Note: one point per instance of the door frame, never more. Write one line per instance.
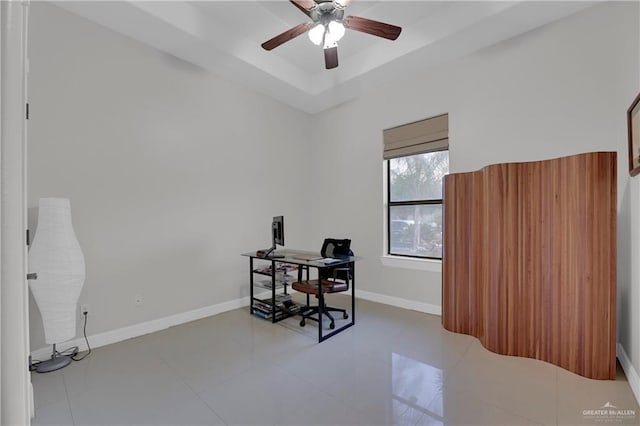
(16, 401)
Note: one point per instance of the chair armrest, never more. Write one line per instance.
(342, 269)
(336, 270)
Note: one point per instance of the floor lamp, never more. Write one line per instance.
(55, 256)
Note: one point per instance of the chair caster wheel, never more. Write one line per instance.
(345, 316)
(332, 326)
(302, 323)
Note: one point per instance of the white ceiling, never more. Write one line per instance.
(224, 37)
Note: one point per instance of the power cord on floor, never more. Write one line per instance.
(72, 351)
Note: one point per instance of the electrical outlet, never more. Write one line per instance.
(138, 300)
(84, 309)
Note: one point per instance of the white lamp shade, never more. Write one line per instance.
(56, 257)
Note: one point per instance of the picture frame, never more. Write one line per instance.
(633, 129)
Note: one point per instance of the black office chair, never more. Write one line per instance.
(334, 280)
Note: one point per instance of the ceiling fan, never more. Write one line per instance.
(328, 25)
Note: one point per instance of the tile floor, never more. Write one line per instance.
(394, 367)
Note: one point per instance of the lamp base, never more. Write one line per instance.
(56, 362)
(53, 364)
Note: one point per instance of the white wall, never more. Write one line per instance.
(559, 90)
(171, 171)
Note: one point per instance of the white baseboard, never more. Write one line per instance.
(632, 374)
(398, 302)
(120, 334)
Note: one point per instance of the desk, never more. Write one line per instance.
(297, 257)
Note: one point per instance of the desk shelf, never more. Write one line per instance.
(272, 308)
(268, 284)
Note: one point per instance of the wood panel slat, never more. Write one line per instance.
(529, 260)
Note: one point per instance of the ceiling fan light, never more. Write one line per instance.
(336, 29)
(316, 34)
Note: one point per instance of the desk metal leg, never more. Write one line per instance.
(251, 285)
(353, 309)
(353, 293)
(308, 281)
(320, 306)
(273, 291)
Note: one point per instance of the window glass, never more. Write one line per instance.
(416, 230)
(418, 177)
(415, 204)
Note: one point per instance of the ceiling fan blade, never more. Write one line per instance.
(305, 6)
(285, 36)
(372, 27)
(331, 57)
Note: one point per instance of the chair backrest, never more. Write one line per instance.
(332, 247)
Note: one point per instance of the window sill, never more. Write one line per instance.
(430, 265)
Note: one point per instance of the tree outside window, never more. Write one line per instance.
(415, 204)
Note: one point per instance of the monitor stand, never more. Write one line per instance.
(271, 255)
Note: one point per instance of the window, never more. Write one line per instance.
(415, 204)
(417, 160)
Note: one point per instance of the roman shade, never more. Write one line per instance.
(431, 134)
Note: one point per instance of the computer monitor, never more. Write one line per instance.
(277, 231)
(277, 238)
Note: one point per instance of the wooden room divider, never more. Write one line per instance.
(529, 260)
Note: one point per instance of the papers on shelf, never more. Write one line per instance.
(281, 268)
(284, 306)
(280, 281)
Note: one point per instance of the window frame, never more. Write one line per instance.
(391, 204)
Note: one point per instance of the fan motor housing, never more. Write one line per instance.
(327, 11)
